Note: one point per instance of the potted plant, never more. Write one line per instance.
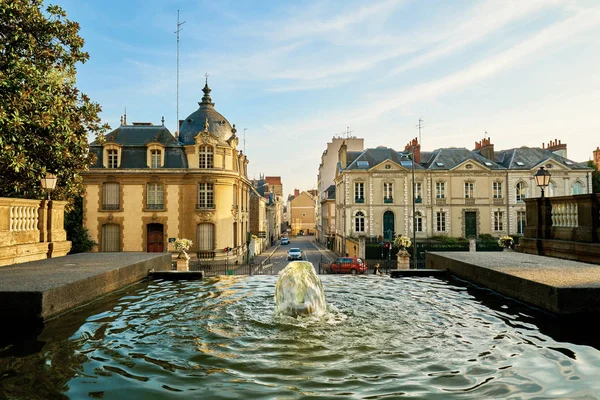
(403, 242)
(506, 242)
(182, 245)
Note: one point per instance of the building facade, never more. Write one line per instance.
(302, 213)
(148, 188)
(457, 192)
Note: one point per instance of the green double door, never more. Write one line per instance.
(470, 224)
(388, 225)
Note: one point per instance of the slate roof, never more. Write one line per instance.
(330, 192)
(134, 138)
(448, 158)
(369, 158)
(526, 158)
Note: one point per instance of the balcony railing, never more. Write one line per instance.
(388, 200)
(155, 206)
(111, 207)
(419, 200)
(359, 200)
(200, 206)
(498, 201)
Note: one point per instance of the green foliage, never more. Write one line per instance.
(76, 232)
(44, 119)
(486, 237)
(595, 177)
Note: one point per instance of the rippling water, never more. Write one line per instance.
(219, 338)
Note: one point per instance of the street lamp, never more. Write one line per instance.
(49, 183)
(542, 179)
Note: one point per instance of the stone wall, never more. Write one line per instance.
(31, 230)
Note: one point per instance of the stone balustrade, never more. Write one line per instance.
(564, 227)
(31, 230)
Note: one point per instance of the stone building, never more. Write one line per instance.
(457, 192)
(597, 157)
(325, 178)
(302, 213)
(148, 187)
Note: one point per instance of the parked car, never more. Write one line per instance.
(294, 254)
(348, 265)
(285, 240)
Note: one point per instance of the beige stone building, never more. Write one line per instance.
(458, 192)
(148, 188)
(302, 213)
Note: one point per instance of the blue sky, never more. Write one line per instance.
(296, 73)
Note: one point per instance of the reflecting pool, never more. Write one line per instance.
(381, 338)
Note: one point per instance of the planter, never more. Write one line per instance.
(183, 264)
(403, 259)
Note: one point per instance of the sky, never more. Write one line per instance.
(293, 74)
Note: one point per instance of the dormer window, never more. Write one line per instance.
(113, 159)
(205, 157)
(155, 158)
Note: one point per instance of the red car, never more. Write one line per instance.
(348, 265)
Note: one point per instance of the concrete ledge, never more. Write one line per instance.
(399, 273)
(559, 286)
(43, 289)
(176, 275)
(577, 251)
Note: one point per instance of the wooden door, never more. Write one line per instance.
(155, 242)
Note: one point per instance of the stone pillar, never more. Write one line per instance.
(43, 222)
(403, 259)
(362, 248)
(472, 245)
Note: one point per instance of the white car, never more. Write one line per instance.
(294, 254)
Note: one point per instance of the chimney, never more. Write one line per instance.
(342, 152)
(296, 193)
(557, 148)
(414, 147)
(597, 157)
(485, 148)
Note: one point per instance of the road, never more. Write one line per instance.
(311, 251)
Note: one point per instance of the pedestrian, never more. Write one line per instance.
(377, 271)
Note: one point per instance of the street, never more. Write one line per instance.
(311, 251)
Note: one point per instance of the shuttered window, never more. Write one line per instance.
(111, 237)
(155, 196)
(205, 237)
(111, 196)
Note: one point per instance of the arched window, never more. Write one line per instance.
(577, 188)
(111, 237)
(359, 221)
(205, 157)
(521, 192)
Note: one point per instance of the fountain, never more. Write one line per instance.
(380, 338)
(299, 290)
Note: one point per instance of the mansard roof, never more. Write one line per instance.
(448, 158)
(369, 158)
(527, 158)
(140, 134)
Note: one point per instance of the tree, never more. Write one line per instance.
(44, 119)
(76, 232)
(595, 177)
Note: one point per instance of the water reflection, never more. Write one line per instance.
(380, 338)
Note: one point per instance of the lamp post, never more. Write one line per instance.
(542, 179)
(49, 183)
(414, 244)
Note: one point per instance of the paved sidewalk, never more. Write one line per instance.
(328, 255)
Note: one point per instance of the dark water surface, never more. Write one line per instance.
(382, 339)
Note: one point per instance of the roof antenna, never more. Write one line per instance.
(177, 32)
(420, 126)
(125, 117)
(245, 140)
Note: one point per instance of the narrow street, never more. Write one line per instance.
(311, 251)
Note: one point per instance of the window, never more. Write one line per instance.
(205, 157)
(521, 222)
(498, 217)
(111, 237)
(205, 237)
(419, 222)
(154, 196)
(521, 190)
(418, 195)
(155, 159)
(441, 221)
(235, 196)
(205, 195)
(359, 222)
(497, 190)
(113, 158)
(469, 190)
(111, 196)
(551, 191)
(388, 192)
(440, 190)
(577, 188)
(359, 192)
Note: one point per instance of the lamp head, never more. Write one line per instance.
(49, 182)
